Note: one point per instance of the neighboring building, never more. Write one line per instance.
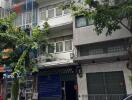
(103, 60)
(26, 11)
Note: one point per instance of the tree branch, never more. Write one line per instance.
(125, 26)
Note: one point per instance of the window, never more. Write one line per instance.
(42, 14)
(59, 47)
(66, 11)
(51, 13)
(28, 17)
(82, 21)
(58, 11)
(68, 45)
(96, 51)
(51, 48)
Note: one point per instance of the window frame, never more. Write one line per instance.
(48, 13)
(86, 19)
(65, 45)
(54, 48)
(62, 46)
(47, 8)
(56, 12)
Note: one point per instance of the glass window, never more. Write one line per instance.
(28, 17)
(43, 15)
(81, 21)
(58, 11)
(59, 47)
(66, 11)
(90, 21)
(51, 13)
(51, 48)
(68, 45)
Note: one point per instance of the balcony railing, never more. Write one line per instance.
(103, 97)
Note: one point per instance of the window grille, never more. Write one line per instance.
(96, 51)
(115, 49)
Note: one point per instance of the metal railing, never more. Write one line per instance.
(103, 97)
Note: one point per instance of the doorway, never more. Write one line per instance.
(69, 90)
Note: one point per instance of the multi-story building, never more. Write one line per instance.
(103, 60)
(57, 76)
(80, 64)
(26, 11)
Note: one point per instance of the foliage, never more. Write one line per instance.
(23, 45)
(105, 15)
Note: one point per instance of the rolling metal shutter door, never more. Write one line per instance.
(106, 86)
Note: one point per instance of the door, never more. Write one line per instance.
(69, 90)
(106, 86)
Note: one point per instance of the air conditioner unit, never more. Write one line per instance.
(71, 55)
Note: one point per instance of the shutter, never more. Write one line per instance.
(49, 87)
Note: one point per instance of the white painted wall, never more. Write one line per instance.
(56, 21)
(104, 67)
(61, 59)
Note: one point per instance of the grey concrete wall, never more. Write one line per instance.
(102, 67)
(86, 35)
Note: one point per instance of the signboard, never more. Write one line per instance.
(49, 86)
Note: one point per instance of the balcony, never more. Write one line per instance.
(58, 59)
(59, 53)
(53, 14)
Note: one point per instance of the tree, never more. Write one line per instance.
(106, 15)
(21, 45)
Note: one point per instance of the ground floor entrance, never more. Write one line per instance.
(57, 84)
(106, 86)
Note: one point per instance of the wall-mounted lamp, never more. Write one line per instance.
(79, 70)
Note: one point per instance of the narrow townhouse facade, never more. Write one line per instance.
(103, 60)
(57, 73)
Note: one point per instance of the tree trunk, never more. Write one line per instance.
(15, 89)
